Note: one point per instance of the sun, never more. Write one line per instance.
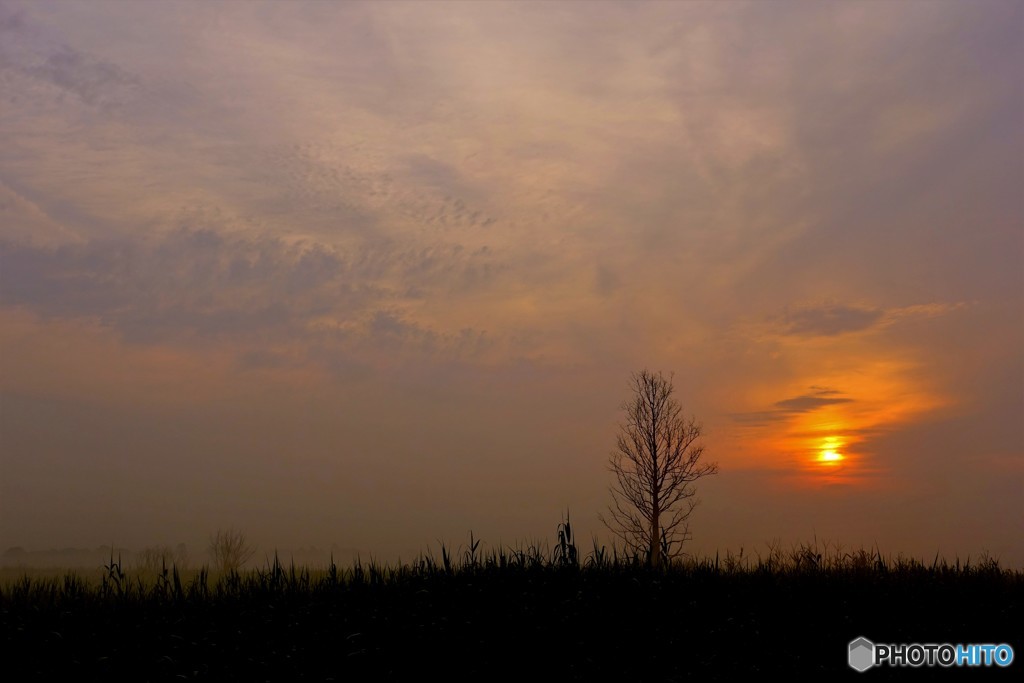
(830, 456)
(828, 453)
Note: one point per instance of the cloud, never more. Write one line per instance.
(204, 284)
(25, 221)
(834, 320)
(96, 83)
(786, 409)
(59, 69)
(829, 320)
(808, 403)
(389, 331)
(11, 21)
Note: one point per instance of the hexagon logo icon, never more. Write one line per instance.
(862, 654)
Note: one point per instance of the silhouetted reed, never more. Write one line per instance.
(789, 610)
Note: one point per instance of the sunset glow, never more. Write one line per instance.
(369, 274)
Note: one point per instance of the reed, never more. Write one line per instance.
(508, 607)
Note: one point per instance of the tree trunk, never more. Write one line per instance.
(655, 537)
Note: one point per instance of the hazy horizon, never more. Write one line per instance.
(374, 275)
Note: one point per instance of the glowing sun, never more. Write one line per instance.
(829, 453)
(830, 456)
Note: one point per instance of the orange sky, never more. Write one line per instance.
(370, 275)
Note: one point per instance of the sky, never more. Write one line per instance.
(372, 276)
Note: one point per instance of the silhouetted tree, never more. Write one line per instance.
(229, 550)
(656, 462)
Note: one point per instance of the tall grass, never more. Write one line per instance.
(507, 611)
(169, 581)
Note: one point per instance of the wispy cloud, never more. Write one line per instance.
(809, 402)
(196, 284)
(833, 319)
(829, 320)
(786, 408)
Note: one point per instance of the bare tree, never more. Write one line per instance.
(230, 550)
(656, 462)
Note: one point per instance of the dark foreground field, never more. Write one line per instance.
(510, 616)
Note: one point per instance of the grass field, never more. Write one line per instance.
(516, 614)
